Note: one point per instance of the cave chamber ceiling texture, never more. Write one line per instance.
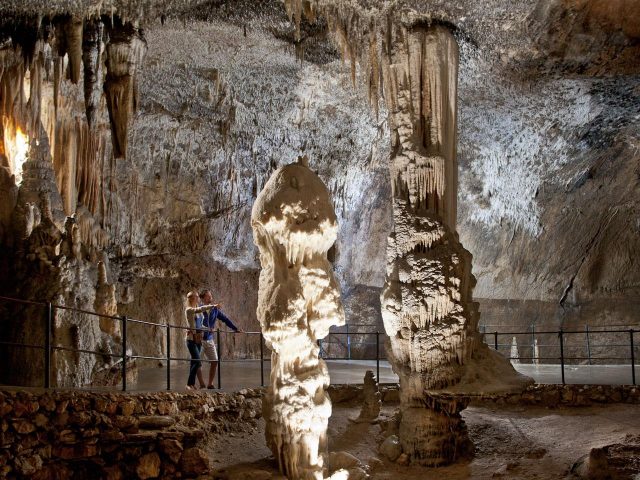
(159, 136)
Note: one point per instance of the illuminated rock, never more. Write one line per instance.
(294, 226)
(427, 305)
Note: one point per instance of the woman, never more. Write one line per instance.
(194, 316)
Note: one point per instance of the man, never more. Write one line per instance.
(208, 340)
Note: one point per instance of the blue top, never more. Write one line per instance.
(198, 318)
(209, 321)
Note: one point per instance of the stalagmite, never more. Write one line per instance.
(294, 225)
(371, 399)
(427, 304)
(105, 302)
(515, 356)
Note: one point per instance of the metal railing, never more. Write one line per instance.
(562, 345)
(323, 352)
(49, 347)
(491, 338)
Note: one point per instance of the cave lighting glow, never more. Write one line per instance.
(16, 147)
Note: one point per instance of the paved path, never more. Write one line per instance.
(239, 374)
(581, 374)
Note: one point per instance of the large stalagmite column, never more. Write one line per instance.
(294, 226)
(427, 304)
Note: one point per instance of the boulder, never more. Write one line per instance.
(391, 448)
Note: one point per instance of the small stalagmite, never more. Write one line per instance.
(105, 302)
(371, 399)
(294, 225)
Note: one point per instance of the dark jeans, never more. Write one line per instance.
(195, 350)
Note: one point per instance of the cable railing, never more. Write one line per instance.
(338, 345)
(124, 356)
(566, 340)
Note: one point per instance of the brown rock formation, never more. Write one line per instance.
(371, 401)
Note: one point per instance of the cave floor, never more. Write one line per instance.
(513, 443)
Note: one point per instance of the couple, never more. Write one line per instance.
(201, 315)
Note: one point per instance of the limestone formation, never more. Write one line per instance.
(45, 238)
(105, 302)
(294, 226)
(514, 355)
(427, 304)
(371, 399)
(125, 53)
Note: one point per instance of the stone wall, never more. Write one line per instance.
(557, 396)
(548, 396)
(76, 434)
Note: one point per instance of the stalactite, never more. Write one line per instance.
(73, 47)
(92, 44)
(125, 53)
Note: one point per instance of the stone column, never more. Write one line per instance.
(427, 302)
(294, 226)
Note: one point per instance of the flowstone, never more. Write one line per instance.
(294, 225)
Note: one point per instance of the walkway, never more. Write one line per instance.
(242, 374)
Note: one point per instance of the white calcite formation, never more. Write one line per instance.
(427, 304)
(294, 225)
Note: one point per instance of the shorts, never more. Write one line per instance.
(209, 348)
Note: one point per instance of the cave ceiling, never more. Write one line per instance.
(549, 109)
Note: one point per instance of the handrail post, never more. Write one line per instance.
(168, 357)
(348, 343)
(560, 334)
(588, 344)
(378, 356)
(219, 359)
(261, 360)
(47, 346)
(495, 340)
(633, 358)
(124, 353)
